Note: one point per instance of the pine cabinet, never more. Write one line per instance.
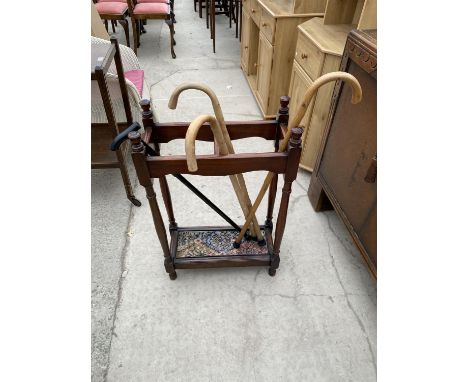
(319, 50)
(268, 41)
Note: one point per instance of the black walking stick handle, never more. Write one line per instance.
(122, 137)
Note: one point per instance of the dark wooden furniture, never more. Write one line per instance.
(345, 174)
(102, 134)
(229, 8)
(141, 11)
(114, 11)
(178, 252)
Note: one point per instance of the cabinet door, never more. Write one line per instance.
(245, 41)
(319, 117)
(265, 57)
(347, 156)
(300, 82)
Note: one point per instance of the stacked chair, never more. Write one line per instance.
(139, 11)
(115, 11)
(229, 8)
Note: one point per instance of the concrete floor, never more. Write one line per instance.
(314, 321)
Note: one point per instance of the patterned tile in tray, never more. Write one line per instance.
(215, 243)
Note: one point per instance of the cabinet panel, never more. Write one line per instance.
(267, 25)
(255, 11)
(265, 57)
(318, 121)
(245, 40)
(350, 147)
(246, 5)
(309, 56)
(300, 82)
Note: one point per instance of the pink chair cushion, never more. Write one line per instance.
(112, 1)
(151, 8)
(152, 1)
(111, 8)
(136, 77)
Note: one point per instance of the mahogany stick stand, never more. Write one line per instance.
(212, 247)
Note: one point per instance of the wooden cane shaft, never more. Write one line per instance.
(266, 184)
(245, 202)
(223, 150)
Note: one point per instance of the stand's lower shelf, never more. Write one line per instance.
(212, 247)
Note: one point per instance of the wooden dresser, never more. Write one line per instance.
(268, 42)
(319, 49)
(345, 173)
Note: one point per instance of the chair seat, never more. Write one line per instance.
(136, 77)
(112, 1)
(151, 9)
(152, 1)
(111, 8)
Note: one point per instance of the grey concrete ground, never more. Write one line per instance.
(314, 321)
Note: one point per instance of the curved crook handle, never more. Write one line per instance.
(205, 89)
(214, 102)
(312, 91)
(191, 135)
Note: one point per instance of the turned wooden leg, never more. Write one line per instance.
(135, 36)
(124, 24)
(237, 17)
(280, 226)
(171, 29)
(139, 160)
(160, 231)
(167, 201)
(271, 202)
(126, 178)
(213, 24)
(113, 26)
(106, 23)
(294, 154)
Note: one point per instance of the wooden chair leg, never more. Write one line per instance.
(237, 17)
(106, 23)
(207, 11)
(135, 36)
(200, 8)
(113, 25)
(213, 23)
(124, 24)
(240, 20)
(126, 179)
(171, 29)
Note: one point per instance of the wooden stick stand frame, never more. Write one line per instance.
(147, 168)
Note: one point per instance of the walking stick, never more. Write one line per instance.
(246, 204)
(294, 122)
(190, 138)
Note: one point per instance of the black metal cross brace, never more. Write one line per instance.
(123, 136)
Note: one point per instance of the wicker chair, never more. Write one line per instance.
(137, 88)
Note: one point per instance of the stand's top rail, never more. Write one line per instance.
(214, 165)
(166, 132)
